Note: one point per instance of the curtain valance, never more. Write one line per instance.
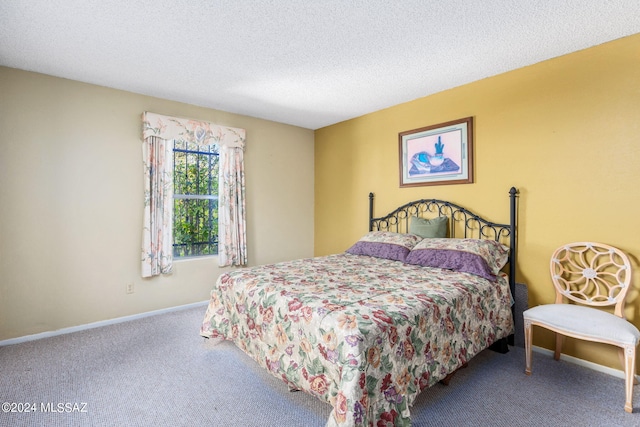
(198, 132)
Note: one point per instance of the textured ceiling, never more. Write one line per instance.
(309, 63)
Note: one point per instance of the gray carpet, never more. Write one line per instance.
(156, 371)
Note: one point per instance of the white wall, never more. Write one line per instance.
(71, 203)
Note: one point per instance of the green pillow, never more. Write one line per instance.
(435, 227)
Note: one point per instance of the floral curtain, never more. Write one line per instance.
(232, 234)
(158, 134)
(157, 240)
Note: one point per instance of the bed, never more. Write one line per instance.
(368, 329)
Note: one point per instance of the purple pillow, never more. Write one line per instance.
(385, 244)
(484, 258)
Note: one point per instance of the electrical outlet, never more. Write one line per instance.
(130, 288)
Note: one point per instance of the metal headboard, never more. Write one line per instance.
(462, 220)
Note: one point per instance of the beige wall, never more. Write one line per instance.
(71, 203)
(564, 131)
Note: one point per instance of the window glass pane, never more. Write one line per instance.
(195, 227)
(195, 169)
(179, 172)
(195, 216)
(214, 174)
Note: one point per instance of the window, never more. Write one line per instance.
(198, 211)
(195, 199)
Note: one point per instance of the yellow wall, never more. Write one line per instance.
(71, 198)
(565, 132)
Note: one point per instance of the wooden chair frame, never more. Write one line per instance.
(588, 275)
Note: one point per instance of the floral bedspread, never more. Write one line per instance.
(364, 334)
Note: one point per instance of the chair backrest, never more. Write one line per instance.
(593, 274)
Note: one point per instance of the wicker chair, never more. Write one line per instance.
(588, 275)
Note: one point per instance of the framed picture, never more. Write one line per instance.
(437, 155)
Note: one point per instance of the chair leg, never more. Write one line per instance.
(629, 373)
(527, 346)
(623, 363)
(559, 341)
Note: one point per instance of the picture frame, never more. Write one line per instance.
(438, 154)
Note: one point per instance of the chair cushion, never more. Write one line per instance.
(585, 322)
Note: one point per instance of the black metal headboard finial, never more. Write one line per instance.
(462, 220)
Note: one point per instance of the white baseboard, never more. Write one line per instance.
(582, 362)
(98, 324)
